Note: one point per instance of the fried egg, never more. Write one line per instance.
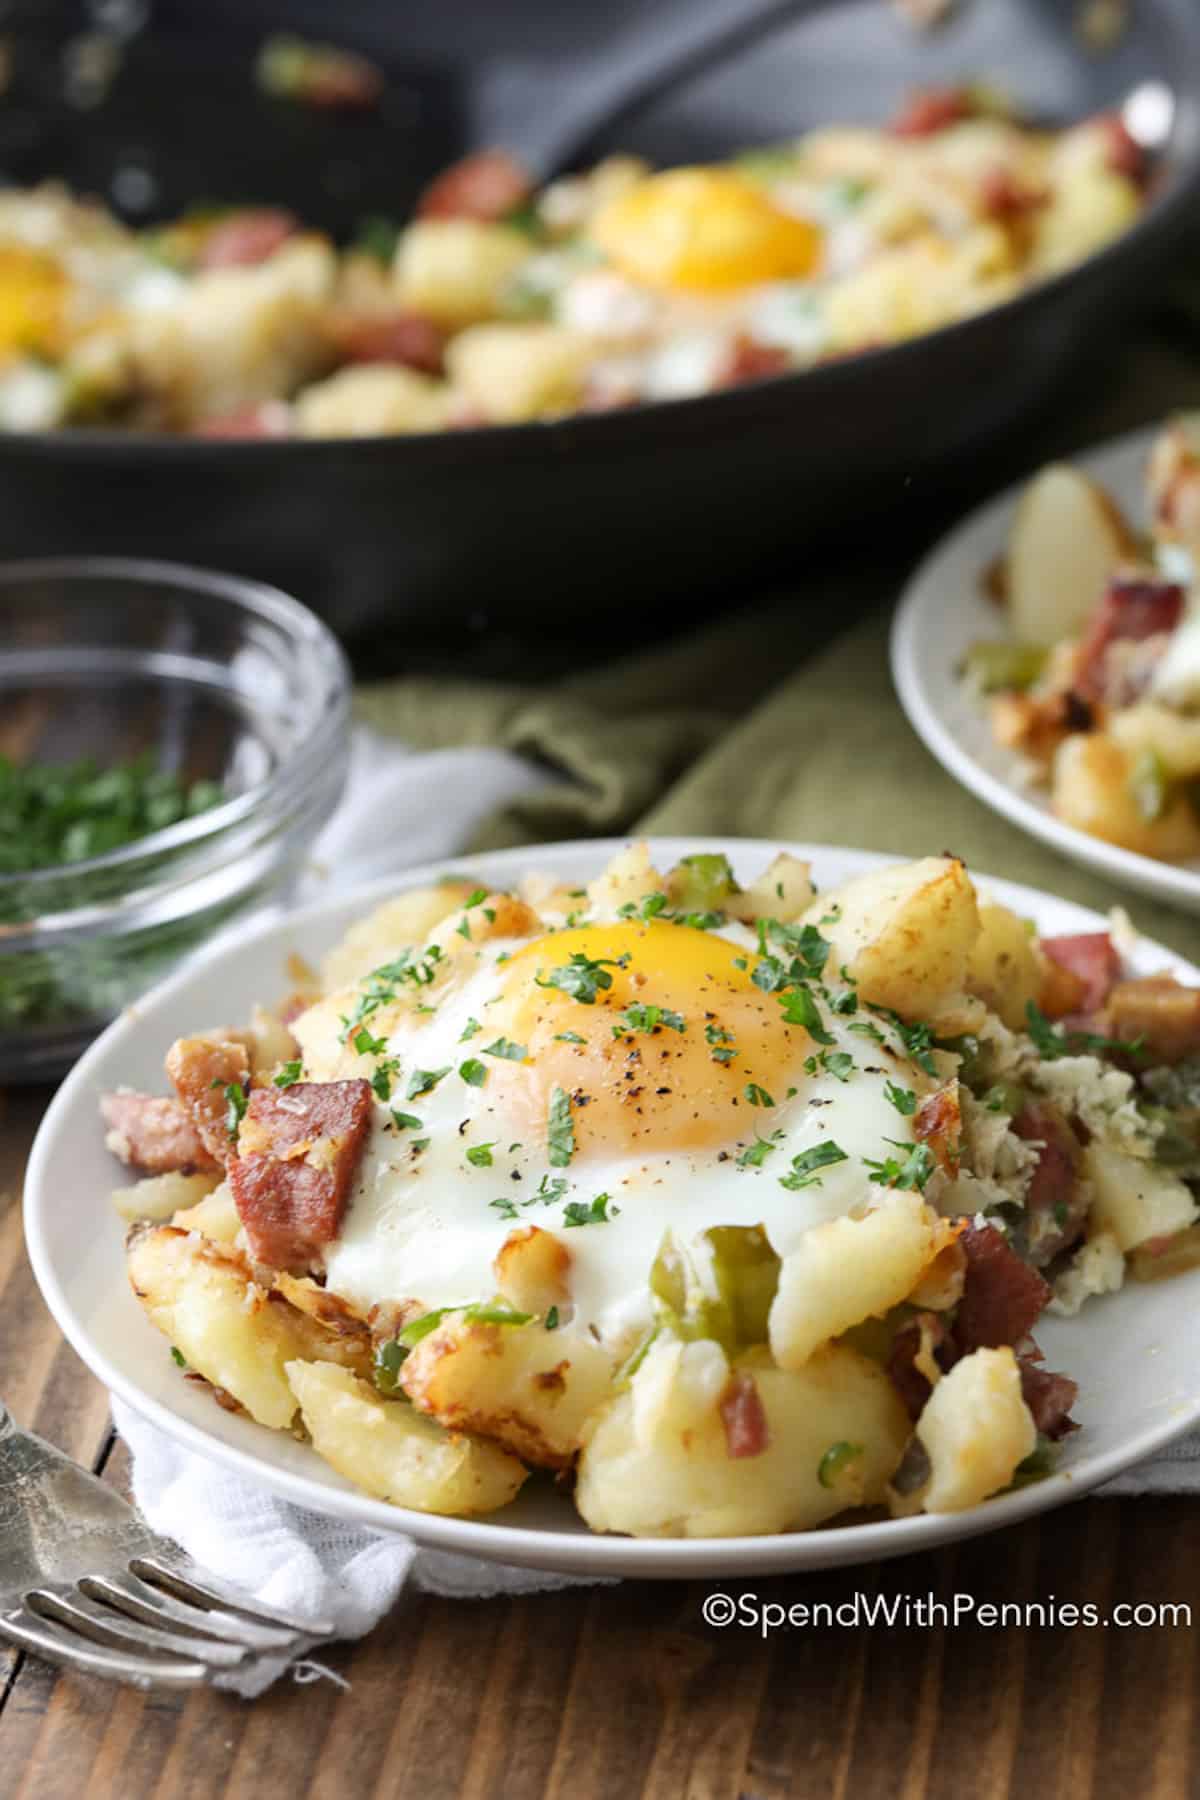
(610, 1083)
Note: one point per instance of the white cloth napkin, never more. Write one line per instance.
(311, 1565)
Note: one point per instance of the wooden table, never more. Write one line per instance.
(624, 1691)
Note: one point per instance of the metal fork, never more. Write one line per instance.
(85, 1583)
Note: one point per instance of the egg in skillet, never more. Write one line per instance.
(609, 1071)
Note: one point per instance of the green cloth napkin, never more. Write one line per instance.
(768, 725)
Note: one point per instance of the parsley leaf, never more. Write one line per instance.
(560, 1129)
(469, 1030)
(551, 1321)
(595, 1212)
(289, 1074)
(480, 1155)
(805, 1167)
(756, 1155)
(757, 1096)
(584, 976)
(838, 1063)
(648, 1018)
(916, 1039)
(568, 1037)
(507, 1049)
(236, 1102)
(902, 1098)
(723, 1047)
(799, 1008)
(1052, 1042)
(423, 1081)
(406, 1121)
(367, 1045)
(505, 1207)
(910, 1171)
(473, 1072)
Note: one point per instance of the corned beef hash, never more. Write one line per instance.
(503, 301)
(735, 1207)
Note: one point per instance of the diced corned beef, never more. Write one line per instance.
(748, 360)
(1049, 1398)
(1004, 198)
(913, 1386)
(1056, 1199)
(153, 1134)
(297, 1155)
(932, 109)
(1091, 957)
(200, 1069)
(485, 186)
(1134, 607)
(743, 1416)
(1158, 1009)
(1125, 155)
(408, 338)
(246, 237)
(1002, 1296)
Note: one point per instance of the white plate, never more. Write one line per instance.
(943, 612)
(1136, 1355)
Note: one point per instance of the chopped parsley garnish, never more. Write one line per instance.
(419, 1144)
(838, 1063)
(800, 1008)
(52, 813)
(382, 984)
(837, 1458)
(805, 1170)
(865, 1028)
(505, 1048)
(845, 1004)
(552, 1319)
(177, 1357)
(757, 1096)
(481, 1312)
(1051, 1041)
(289, 1074)
(469, 1030)
(804, 943)
(423, 1081)
(756, 1155)
(367, 1045)
(480, 1155)
(902, 1098)
(648, 1018)
(473, 1072)
(594, 1212)
(236, 1102)
(917, 1039)
(648, 907)
(406, 1121)
(381, 1080)
(584, 976)
(505, 1207)
(560, 1129)
(723, 1047)
(912, 1170)
(476, 898)
(568, 1037)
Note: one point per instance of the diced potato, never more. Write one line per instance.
(390, 928)
(846, 1270)
(1135, 1200)
(1173, 737)
(520, 371)
(906, 933)
(783, 891)
(395, 1453)
(372, 400)
(657, 1463)
(532, 1270)
(225, 1327)
(528, 1388)
(454, 270)
(1092, 787)
(1173, 484)
(627, 880)
(976, 1428)
(215, 1217)
(158, 1197)
(1004, 968)
(1085, 212)
(1067, 539)
(271, 1042)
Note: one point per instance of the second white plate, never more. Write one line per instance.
(943, 611)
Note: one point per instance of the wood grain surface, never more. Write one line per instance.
(625, 1691)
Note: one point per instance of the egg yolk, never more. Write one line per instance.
(705, 229)
(32, 300)
(637, 1081)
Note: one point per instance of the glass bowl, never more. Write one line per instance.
(209, 676)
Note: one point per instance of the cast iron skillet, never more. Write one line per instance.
(613, 526)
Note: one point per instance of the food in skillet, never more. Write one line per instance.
(1098, 688)
(736, 1208)
(502, 302)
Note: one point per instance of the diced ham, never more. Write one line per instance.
(748, 360)
(743, 1416)
(938, 1123)
(485, 186)
(925, 1335)
(1005, 199)
(200, 1069)
(1158, 1009)
(1125, 156)
(269, 419)
(389, 337)
(1049, 1398)
(246, 237)
(932, 109)
(1002, 1296)
(1134, 607)
(153, 1134)
(1056, 1199)
(1092, 958)
(297, 1155)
